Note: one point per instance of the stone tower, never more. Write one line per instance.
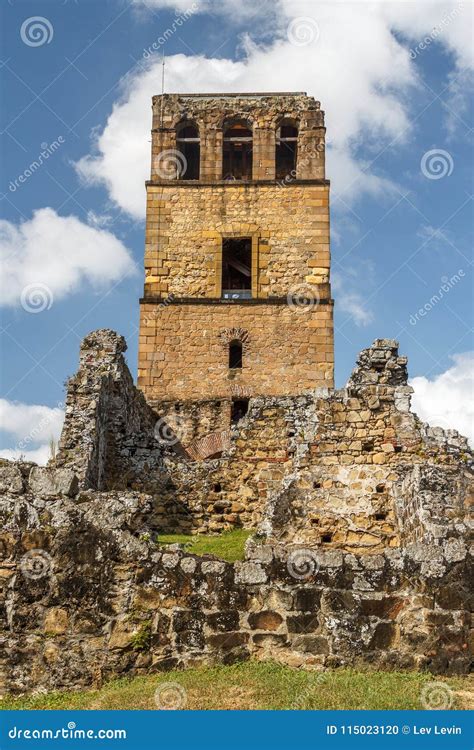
(237, 299)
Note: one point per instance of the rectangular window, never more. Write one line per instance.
(237, 268)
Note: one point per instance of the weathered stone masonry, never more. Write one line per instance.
(392, 592)
(286, 221)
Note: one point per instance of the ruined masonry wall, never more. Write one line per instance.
(85, 596)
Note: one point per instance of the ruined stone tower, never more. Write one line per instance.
(237, 298)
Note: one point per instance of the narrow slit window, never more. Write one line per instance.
(235, 355)
(237, 268)
(286, 149)
(237, 152)
(189, 149)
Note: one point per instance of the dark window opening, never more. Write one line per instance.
(315, 521)
(317, 485)
(239, 409)
(237, 268)
(398, 448)
(286, 151)
(235, 355)
(177, 407)
(188, 144)
(326, 538)
(237, 153)
(367, 447)
(217, 487)
(380, 516)
(380, 488)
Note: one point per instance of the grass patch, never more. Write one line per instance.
(228, 546)
(259, 685)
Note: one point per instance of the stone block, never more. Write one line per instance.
(46, 481)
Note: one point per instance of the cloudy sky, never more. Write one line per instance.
(395, 80)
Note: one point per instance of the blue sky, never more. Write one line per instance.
(78, 85)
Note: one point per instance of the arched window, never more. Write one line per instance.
(188, 144)
(235, 355)
(286, 150)
(237, 152)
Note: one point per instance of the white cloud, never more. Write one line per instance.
(32, 427)
(356, 66)
(53, 256)
(349, 299)
(447, 401)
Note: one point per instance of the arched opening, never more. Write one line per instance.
(286, 148)
(235, 355)
(237, 152)
(188, 144)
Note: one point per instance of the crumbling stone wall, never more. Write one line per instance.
(340, 469)
(360, 556)
(108, 436)
(86, 595)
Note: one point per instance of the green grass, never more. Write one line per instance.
(228, 546)
(259, 685)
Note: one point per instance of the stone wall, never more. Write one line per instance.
(342, 469)
(360, 556)
(186, 356)
(108, 436)
(86, 595)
